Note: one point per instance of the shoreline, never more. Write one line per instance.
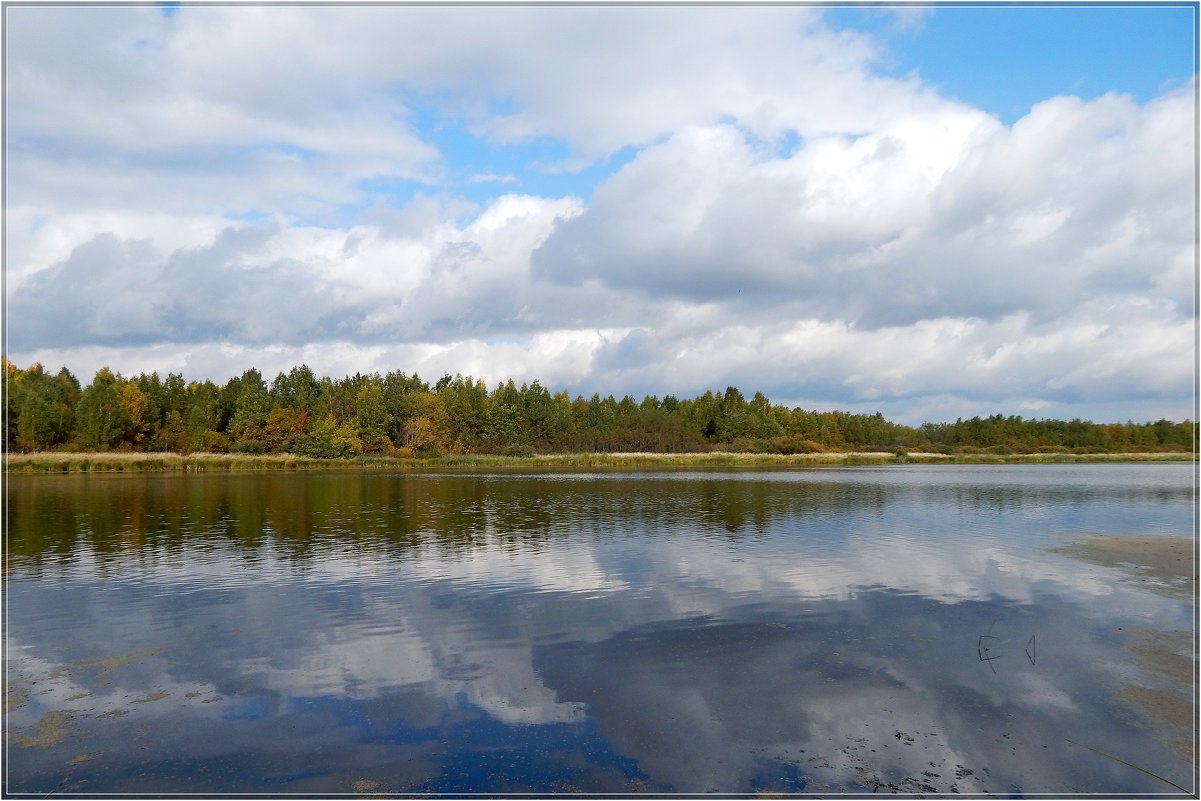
(223, 462)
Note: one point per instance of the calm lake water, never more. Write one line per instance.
(901, 629)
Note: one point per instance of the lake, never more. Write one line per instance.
(1013, 630)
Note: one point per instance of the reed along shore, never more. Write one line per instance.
(224, 462)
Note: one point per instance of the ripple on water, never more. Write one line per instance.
(780, 632)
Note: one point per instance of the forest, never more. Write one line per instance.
(400, 415)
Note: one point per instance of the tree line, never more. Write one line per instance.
(400, 415)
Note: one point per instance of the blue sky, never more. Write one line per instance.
(480, 168)
(928, 211)
(1006, 58)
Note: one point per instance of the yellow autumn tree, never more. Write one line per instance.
(133, 414)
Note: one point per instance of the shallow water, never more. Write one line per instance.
(908, 629)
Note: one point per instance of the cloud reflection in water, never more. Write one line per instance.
(800, 632)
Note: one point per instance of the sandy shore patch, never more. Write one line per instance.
(1166, 565)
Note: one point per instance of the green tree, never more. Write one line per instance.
(504, 424)
(203, 418)
(41, 407)
(421, 432)
(400, 394)
(464, 404)
(372, 418)
(327, 439)
(100, 421)
(250, 408)
(299, 390)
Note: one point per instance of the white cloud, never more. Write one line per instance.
(189, 191)
(492, 178)
(926, 218)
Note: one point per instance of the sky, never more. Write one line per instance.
(930, 212)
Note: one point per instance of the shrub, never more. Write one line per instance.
(794, 444)
(328, 440)
(215, 442)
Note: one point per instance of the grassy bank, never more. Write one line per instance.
(164, 462)
(221, 462)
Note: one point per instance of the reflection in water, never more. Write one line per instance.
(802, 631)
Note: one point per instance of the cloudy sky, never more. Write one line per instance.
(925, 212)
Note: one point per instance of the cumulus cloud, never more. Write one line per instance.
(924, 218)
(308, 101)
(232, 184)
(279, 284)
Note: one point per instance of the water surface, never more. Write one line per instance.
(918, 629)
